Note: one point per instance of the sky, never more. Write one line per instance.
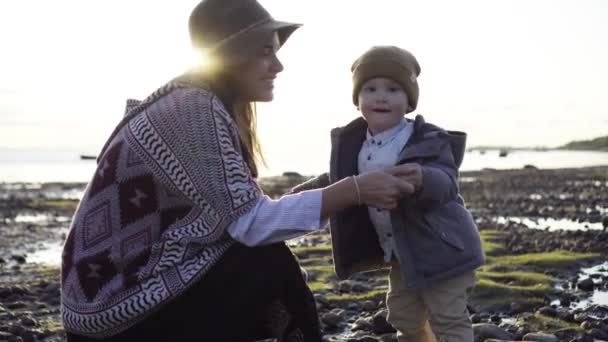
(518, 73)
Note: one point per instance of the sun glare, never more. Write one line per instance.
(199, 59)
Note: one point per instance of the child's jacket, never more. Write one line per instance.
(435, 235)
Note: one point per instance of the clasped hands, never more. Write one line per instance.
(383, 189)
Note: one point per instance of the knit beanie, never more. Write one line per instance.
(390, 62)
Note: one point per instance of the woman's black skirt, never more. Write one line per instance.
(252, 293)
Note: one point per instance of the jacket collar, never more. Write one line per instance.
(426, 141)
(385, 136)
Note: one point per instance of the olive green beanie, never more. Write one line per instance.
(390, 62)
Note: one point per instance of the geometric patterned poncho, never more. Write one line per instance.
(153, 218)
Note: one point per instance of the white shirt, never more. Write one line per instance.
(278, 220)
(377, 153)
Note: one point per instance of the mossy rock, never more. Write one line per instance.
(539, 322)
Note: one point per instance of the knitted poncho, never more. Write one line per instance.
(153, 218)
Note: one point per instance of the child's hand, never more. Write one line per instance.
(410, 172)
(382, 190)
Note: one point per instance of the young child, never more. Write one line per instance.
(430, 241)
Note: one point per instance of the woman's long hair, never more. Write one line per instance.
(222, 84)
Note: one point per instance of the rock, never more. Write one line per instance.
(331, 319)
(344, 286)
(16, 330)
(5, 336)
(586, 285)
(380, 325)
(52, 287)
(292, 174)
(46, 333)
(566, 334)
(20, 290)
(565, 315)
(340, 312)
(319, 298)
(547, 311)
(587, 325)
(362, 324)
(484, 331)
(28, 322)
(484, 315)
(597, 310)
(580, 317)
(28, 336)
(368, 305)
(18, 258)
(6, 316)
(540, 337)
(526, 316)
(510, 328)
(521, 332)
(360, 287)
(519, 307)
(495, 319)
(389, 338)
(476, 318)
(365, 338)
(598, 334)
(16, 305)
(354, 306)
(583, 339)
(5, 292)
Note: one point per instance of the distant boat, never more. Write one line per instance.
(87, 157)
(503, 153)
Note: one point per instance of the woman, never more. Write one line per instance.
(173, 239)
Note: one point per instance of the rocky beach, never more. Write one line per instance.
(544, 231)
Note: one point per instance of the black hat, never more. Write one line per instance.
(233, 29)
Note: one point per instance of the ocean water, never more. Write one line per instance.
(65, 166)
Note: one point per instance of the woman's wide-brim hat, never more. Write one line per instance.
(234, 29)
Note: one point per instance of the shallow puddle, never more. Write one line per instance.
(549, 223)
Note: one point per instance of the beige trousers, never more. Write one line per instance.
(444, 306)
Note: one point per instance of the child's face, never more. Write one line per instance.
(382, 103)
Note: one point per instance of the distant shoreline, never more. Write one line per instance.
(291, 177)
(599, 144)
(536, 149)
(42, 168)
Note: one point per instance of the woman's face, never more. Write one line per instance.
(255, 79)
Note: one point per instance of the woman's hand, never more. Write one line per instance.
(410, 172)
(383, 189)
(379, 189)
